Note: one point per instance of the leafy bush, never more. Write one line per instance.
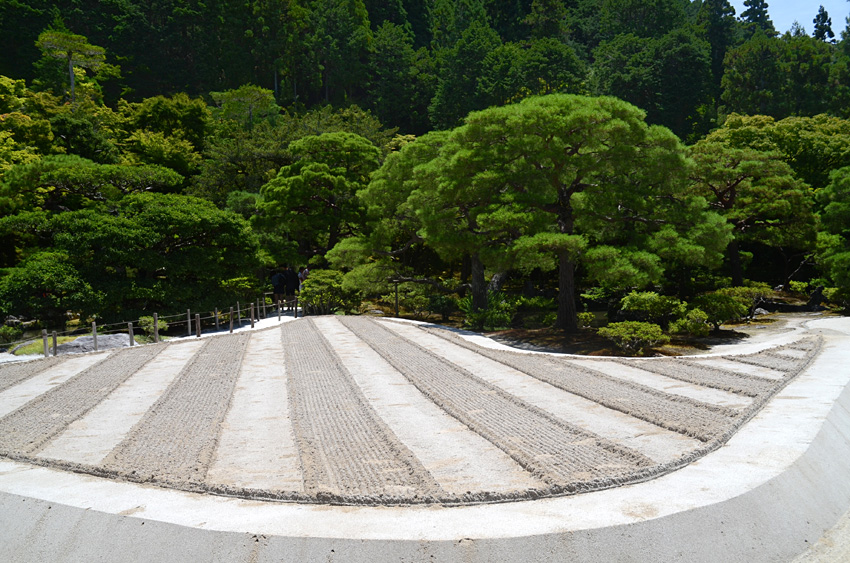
(146, 323)
(322, 294)
(412, 298)
(585, 319)
(798, 287)
(443, 305)
(721, 307)
(751, 296)
(10, 333)
(498, 314)
(634, 337)
(651, 307)
(695, 323)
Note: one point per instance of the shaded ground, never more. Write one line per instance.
(587, 343)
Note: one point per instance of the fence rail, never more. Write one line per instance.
(255, 311)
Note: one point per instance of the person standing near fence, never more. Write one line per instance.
(279, 286)
(291, 285)
(303, 272)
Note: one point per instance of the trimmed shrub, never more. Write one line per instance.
(634, 337)
(695, 323)
(721, 307)
(651, 307)
(443, 305)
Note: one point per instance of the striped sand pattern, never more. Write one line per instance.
(355, 410)
(13, 373)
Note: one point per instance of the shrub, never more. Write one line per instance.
(695, 323)
(412, 298)
(634, 337)
(751, 295)
(798, 287)
(443, 305)
(585, 319)
(650, 307)
(721, 307)
(10, 333)
(498, 314)
(146, 323)
(322, 294)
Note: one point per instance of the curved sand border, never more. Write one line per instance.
(776, 484)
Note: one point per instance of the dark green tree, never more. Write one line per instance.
(753, 77)
(313, 199)
(755, 18)
(74, 50)
(823, 26)
(461, 68)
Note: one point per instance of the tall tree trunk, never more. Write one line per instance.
(734, 256)
(479, 285)
(567, 319)
(71, 72)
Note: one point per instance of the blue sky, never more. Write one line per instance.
(785, 12)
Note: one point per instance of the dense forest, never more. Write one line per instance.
(169, 154)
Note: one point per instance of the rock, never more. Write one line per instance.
(760, 311)
(86, 343)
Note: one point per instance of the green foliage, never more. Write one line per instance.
(497, 315)
(323, 294)
(798, 287)
(45, 286)
(412, 298)
(10, 333)
(147, 325)
(721, 307)
(751, 295)
(694, 323)
(585, 319)
(443, 305)
(314, 198)
(634, 337)
(651, 307)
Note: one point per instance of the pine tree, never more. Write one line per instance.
(823, 26)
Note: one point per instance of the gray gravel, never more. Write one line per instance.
(175, 440)
(14, 373)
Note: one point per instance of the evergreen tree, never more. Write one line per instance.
(716, 19)
(755, 17)
(823, 26)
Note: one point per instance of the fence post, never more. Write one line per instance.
(155, 327)
(252, 315)
(231, 320)
(130, 334)
(55, 351)
(238, 314)
(189, 320)
(44, 339)
(278, 309)
(216, 319)
(296, 306)
(264, 306)
(94, 334)
(198, 324)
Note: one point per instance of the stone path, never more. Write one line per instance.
(355, 410)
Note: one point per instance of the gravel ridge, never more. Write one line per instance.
(347, 452)
(707, 376)
(28, 428)
(183, 426)
(176, 438)
(684, 415)
(15, 372)
(558, 453)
